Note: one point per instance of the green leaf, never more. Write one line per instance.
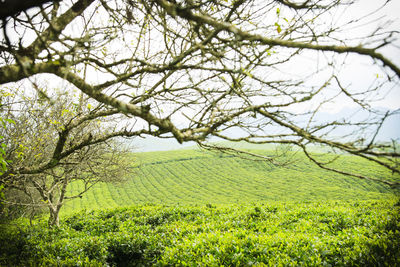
(278, 27)
(10, 121)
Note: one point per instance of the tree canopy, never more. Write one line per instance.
(241, 70)
(51, 144)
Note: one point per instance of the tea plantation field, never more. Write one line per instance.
(194, 177)
(196, 208)
(328, 233)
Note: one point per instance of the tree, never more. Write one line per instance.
(191, 70)
(51, 145)
(13, 7)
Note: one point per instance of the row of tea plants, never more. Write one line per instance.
(333, 233)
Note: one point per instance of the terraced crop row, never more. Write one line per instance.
(196, 177)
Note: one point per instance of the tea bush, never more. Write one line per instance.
(333, 233)
(191, 177)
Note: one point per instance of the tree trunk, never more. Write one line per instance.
(54, 219)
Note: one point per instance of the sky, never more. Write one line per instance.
(359, 73)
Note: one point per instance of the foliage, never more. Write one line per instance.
(3, 147)
(193, 177)
(51, 144)
(3, 125)
(329, 233)
(3, 161)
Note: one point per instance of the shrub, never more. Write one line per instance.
(364, 233)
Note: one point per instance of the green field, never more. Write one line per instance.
(196, 208)
(195, 177)
(328, 233)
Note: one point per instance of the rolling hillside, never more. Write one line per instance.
(194, 177)
(192, 208)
